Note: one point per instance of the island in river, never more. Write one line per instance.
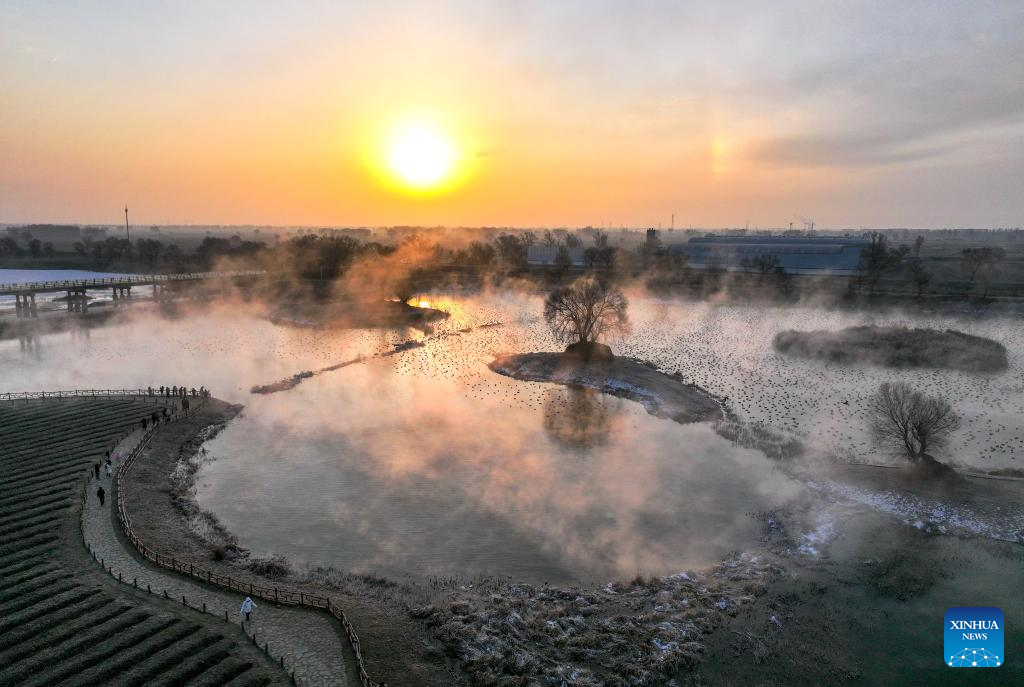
(663, 395)
(355, 313)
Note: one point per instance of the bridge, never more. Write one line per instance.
(121, 287)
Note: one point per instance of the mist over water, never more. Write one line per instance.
(425, 462)
(421, 476)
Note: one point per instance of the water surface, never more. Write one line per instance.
(425, 462)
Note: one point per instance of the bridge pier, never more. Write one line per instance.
(77, 300)
(161, 292)
(25, 305)
(120, 294)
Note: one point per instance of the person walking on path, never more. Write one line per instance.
(96, 469)
(101, 494)
(110, 469)
(247, 606)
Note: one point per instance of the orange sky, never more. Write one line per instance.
(569, 115)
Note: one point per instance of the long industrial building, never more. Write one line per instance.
(827, 255)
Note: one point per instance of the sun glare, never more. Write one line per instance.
(421, 156)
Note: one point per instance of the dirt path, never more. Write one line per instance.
(309, 642)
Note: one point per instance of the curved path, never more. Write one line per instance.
(310, 643)
(64, 622)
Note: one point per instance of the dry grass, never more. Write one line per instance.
(641, 632)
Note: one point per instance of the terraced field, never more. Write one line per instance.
(63, 621)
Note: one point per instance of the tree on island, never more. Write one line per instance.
(583, 312)
(911, 420)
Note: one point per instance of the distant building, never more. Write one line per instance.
(652, 242)
(538, 255)
(829, 255)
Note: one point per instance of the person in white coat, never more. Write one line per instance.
(247, 607)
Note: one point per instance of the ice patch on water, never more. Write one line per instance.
(1006, 524)
(613, 385)
(812, 543)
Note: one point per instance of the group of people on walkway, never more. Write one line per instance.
(164, 414)
(107, 468)
(179, 392)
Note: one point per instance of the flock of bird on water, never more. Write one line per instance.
(724, 349)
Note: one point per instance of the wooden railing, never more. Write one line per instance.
(279, 595)
(88, 393)
(127, 280)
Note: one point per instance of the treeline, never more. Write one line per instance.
(10, 248)
(979, 266)
(884, 266)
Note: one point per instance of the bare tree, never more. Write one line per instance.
(984, 259)
(913, 421)
(584, 311)
(563, 261)
(920, 276)
(876, 259)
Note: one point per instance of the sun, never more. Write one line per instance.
(421, 156)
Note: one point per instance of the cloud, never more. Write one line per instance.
(935, 95)
(841, 150)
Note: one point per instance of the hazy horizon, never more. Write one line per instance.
(532, 227)
(571, 114)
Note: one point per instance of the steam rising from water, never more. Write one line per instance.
(392, 473)
(427, 462)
